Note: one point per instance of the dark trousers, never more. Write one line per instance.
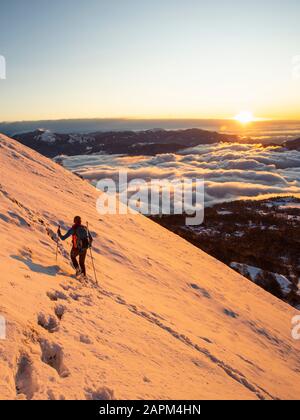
(82, 256)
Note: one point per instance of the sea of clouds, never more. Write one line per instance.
(230, 170)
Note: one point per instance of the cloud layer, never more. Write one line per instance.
(231, 171)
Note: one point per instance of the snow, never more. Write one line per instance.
(239, 234)
(283, 282)
(47, 136)
(133, 146)
(167, 321)
(283, 203)
(78, 138)
(290, 206)
(201, 230)
(224, 212)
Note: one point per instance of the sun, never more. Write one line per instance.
(244, 117)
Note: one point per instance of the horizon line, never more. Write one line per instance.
(231, 119)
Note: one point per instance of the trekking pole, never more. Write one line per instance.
(92, 258)
(56, 257)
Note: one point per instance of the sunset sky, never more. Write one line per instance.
(159, 58)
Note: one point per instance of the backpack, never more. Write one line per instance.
(81, 238)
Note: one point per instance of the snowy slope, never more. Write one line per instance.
(168, 321)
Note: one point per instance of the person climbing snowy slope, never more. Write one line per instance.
(81, 242)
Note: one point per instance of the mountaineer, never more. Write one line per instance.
(81, 242)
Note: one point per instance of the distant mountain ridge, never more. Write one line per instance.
(148, 142)
(89, 125)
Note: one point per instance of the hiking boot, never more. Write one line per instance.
(83, 279)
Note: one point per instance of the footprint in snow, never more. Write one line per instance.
(56, 295)
(101, 394)
(26, 381)
(230, 313)
(201, 290)
(60, 311)
(85, 339)
(53, 356)
(48, 322)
